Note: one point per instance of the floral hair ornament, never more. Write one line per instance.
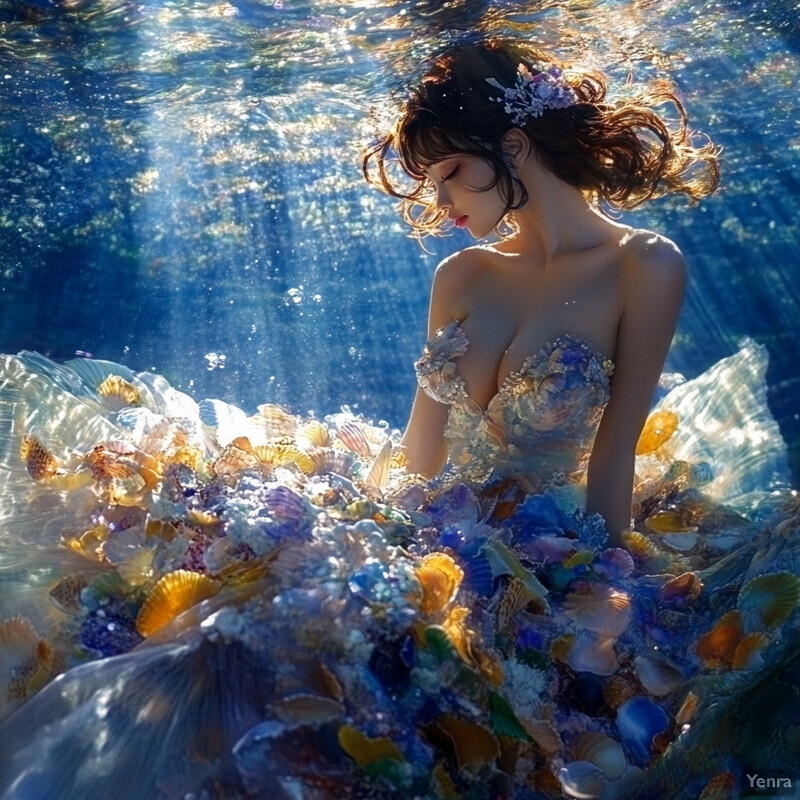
(532, 95)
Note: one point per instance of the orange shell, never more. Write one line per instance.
(116, 386)
(748, 652)
(719, 645)
(315, 433)
(658, 430)
(687, 585)
(41, 463)
(458, 633)
(617, 691)
(514, 599)
(474, 745)
(171, 596)
(439, 576)
(687, 710)
(364, 750)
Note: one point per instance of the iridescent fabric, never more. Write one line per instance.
(541, 422)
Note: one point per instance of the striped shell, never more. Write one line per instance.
(766, 601)
(122, 393)
(275, 421)
(285, 455)
(352, 436)
(590, 653)
(439, 576)
(171, 596)
(333, 461)
(313, 433)
(599, 608)
(657, 675)
(40, 462)
(602, 751)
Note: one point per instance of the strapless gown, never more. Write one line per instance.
(201, 603)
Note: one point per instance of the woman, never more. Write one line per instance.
(496, 134)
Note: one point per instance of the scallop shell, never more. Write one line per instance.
(335, 461)
(766, 601)
(365, 750)
(284, 503)
(283, 455)
(439, 576)
(459, 634)
(232, 463)
(545, 734)
(40, 462)
(66, 594)
(639, 546)
(591, 653)
(657, 431)
(275, 421)
(352, 436)
(747, 655)
(474, 745)
(601, 609)
(514, 599)
(22, 655)
(171, 596)
(615, 562)
(314, 433)
(600, 750)
(638, 721)
(719, 645)
(657, 675)
(582, 780)
(116, 388)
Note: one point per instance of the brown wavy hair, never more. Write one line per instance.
(619, 153)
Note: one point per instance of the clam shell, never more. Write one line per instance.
(439, 576)
(719, 645)
(766, 601)
(600, 750)
(657, 675)
(638, 721)
(171, 596)
(657, 431)
(352, 436)
(591, 653)
(283, 502)
(335, 461)
(582, 780)
(601, 609)
(314, 433)
(615, 562)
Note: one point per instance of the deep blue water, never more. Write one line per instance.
(181, 186)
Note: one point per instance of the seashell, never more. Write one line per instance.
(639, 546)
(456, 629)
(275, 421)
(202, 517)
(638, 721)
(103, 589)
(39, 461)
(171, 596)
(284, 455)
(474, 745)
(352, 436)
(615, 562)
(666, 522)
(718, 645)
(657, 675)
(90, 543)
(617, 691)
(766, 601)
(439, 576)
(116, 388)
(335, 461)
(307, 709)
(228, 420)
(314, 433)
(137, 568)
(584, 557)
(439, 644)
(232, 463)
(489, 667)
(600, 750)
(601, 609)
(379, 470)
(503, 719)
(747, 655)
(478, 575)
(365, 751)
(284, 503)
(657, 431)
(685, 587)
(514, 599)
(127, 491)
(66, 594)
(545, 734)
(26, 662)
(591, 653)
(583, 780)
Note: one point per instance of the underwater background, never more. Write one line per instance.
(181, 187)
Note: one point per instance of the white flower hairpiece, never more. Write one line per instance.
(532, 95)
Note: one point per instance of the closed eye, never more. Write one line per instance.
(452, 173)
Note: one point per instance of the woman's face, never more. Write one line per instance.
(464, 191)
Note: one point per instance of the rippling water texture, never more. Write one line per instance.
(181, 187)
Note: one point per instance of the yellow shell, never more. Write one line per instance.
(40, 462)
(659, 429)
(439, 576)
(766, 601)
(578, 558)
(719, 645)
(315, 433)
(601, 609)
(747, 655)
(458, 633)
(514, 599)
(171, 596)
(669, 522)
(117, 387)
(474, 745)
(283, 455)
(364, 750)
(639, 546)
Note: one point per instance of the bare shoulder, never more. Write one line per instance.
(651, 259)
(454, 282)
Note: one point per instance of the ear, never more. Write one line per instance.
(517, 147)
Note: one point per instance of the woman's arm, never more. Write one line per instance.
(653, 280)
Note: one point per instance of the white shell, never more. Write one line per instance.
(583, 780)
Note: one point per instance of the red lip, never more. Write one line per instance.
(460, 222)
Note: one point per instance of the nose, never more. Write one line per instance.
(443, 200)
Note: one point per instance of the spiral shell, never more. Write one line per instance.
(171, 596)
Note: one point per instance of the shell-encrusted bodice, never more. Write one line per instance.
(541, 422)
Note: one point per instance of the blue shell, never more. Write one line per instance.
(638, 721)
(478, 575)
(284, 503)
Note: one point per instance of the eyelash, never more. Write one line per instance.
(451, 173)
